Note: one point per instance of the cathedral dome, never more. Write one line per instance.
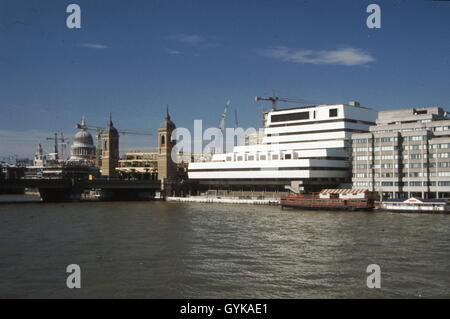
(83, 144)
(83, 138)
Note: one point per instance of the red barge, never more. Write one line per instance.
(331, 199)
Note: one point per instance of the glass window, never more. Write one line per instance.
(333, 112)
(290, 117)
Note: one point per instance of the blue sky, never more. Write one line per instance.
(132, 58)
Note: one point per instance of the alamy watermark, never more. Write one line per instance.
(374, 19)
(74, 279)
(212, 140)
(73, 21)
(374, 279)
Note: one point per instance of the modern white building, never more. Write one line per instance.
(303, 148)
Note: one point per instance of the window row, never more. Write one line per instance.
(263, 157)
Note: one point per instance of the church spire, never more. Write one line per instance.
(167, 113)
(110, 124)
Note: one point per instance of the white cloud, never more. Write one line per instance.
(345, 56)
(190, 39)
(94, 46)
(171, 51)
(195, 40)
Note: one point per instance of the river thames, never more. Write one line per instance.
(175, 250)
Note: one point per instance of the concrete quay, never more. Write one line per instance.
(204, 199)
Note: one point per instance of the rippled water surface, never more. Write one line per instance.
(172, 250)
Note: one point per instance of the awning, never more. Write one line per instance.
(344, 191)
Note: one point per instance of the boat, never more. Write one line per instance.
(331, 199)
(418, 205)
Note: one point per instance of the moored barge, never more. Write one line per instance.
(331, 199)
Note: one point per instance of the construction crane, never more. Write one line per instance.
(236, 125)
(221, 126)
(55, 139)
(100, 130)
(275, 99)
(223, 117)
(98, 133)
(58, 140)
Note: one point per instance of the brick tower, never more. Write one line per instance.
(167, 169)
(110, 150)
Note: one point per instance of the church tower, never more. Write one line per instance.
(167, 169)
(110, 150)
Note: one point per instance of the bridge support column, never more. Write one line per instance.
(58, 195)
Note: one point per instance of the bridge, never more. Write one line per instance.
(57, 190)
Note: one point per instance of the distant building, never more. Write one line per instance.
(139, 165)
(406, 154)
(39, 157)
(144, 165)
(254, 138)
(10, 171)
(24, 162)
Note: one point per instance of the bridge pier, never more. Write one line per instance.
(63, 190)
(50, 195)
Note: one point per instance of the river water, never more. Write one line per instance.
(176, 250)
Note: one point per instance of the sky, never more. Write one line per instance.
(132, 58)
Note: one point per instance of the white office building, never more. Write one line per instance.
(302, 148)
